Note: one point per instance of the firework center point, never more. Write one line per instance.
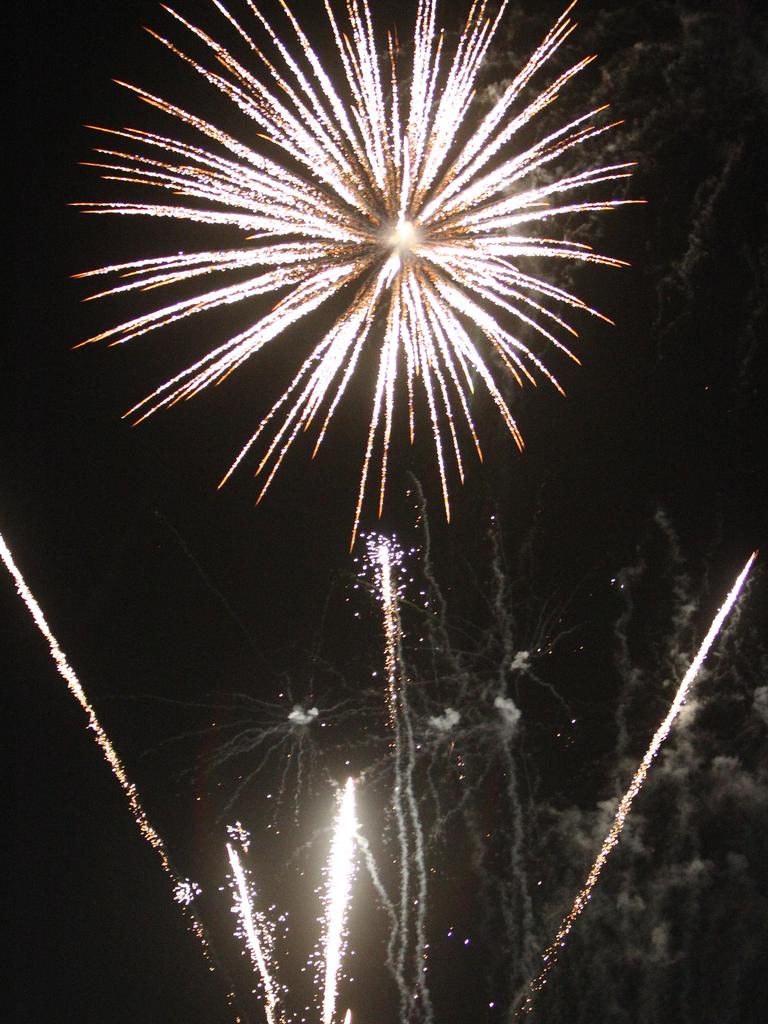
(403, 237)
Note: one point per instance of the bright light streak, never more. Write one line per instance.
(184, 890)
(389, 192)
(251, 925)
(386, 557)
(550, 954)
(341, 868)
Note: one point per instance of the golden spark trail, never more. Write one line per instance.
(550, 954)
(340, 873)
(244, 908)
(184, 890)
(406, 207)
(384, 557)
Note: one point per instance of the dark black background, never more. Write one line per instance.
(668, 411)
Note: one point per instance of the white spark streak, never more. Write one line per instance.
(340, 874)
(184, 890)
(251, 925)
(550, 955)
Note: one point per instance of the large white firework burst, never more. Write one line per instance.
(408, 205)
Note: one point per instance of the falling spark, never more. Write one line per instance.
(251, 926)
(404, 203)
(549, 957)
(341, 869)
(184, 890)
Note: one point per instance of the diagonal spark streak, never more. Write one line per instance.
(249, 922)
(184, 890)
(405, 207)
(549, 957)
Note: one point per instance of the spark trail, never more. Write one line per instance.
(252, 925)
(184, 890)
(550, 955)
(386, 557)
(387, 192)
(340, 872)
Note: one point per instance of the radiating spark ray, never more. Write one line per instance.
(550, 954)
(399, 195)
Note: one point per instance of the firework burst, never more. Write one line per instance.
(407, 208)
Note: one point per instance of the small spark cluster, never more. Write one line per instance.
(186, 891)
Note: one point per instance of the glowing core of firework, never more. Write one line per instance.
(404, 237)
(341, 869)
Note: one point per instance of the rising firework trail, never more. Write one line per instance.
(386, 193)
(256, 938)
(550, 955)
(341, 868)
(184, 890)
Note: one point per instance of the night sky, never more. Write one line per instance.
(617, 533)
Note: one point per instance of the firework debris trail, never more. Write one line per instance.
(467, 729)
(516, 902)
(414, 993)
(550, 954)
(382, 199)
(472, 733)
(184, 890)
(258, 939)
